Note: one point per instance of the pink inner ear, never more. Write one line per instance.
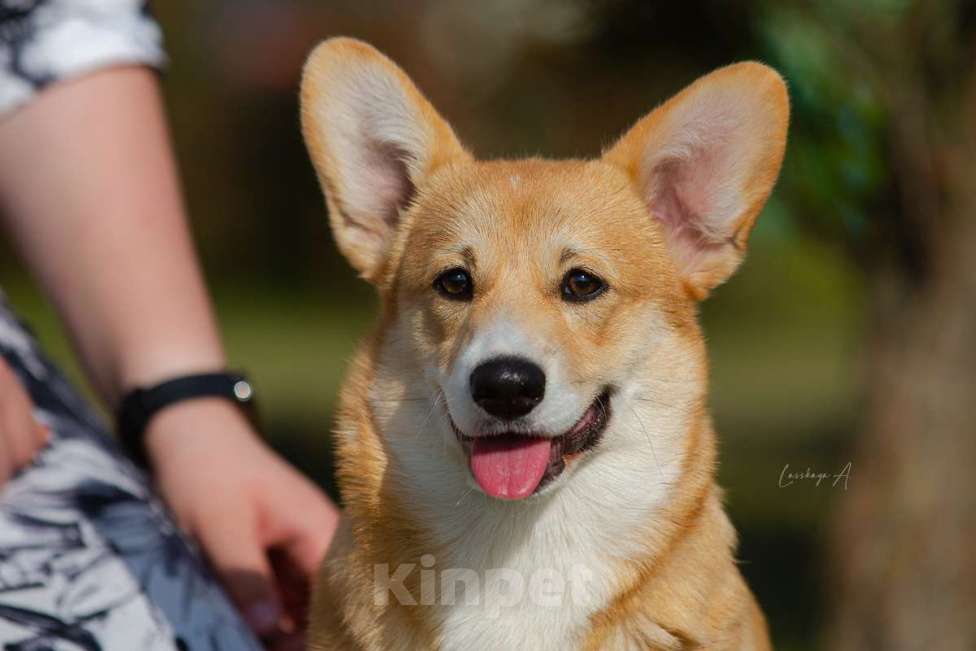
(680, 201)
(691, 187)
(672, 203)
(388, 179)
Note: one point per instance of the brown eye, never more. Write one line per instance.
(455, 284)
(580, 285)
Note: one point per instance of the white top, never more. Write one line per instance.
(42, 41)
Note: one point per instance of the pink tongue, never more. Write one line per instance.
(509, 467)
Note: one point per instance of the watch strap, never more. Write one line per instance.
(140, 405)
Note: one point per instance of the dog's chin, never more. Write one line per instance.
(564, 449)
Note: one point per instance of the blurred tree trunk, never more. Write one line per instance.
(904, 543)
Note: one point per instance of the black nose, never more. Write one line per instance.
(508, 387)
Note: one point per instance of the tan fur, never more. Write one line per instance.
(516, 220)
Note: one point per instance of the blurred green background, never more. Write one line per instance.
(558, 78)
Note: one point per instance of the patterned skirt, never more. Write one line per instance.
(89, 557)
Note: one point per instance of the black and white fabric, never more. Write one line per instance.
(42, 41)
(90, 560)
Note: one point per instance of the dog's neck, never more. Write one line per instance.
(535, 573)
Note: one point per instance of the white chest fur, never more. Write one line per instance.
(529, 574)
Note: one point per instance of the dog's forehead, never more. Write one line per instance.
(534, 203)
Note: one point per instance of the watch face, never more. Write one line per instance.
(243, 390)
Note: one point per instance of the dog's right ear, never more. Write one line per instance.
(373, 139)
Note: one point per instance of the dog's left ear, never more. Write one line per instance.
(705, 162)
(374, 139)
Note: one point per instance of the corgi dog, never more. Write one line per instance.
(524, 448)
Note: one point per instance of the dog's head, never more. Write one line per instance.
(551, 304)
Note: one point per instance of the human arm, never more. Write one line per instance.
(91, 198)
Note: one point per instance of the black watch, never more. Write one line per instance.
(140, 405)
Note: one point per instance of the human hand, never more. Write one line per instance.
(21, 435)
(263, 526)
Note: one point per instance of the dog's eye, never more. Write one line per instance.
(455, 284)
(581, 285)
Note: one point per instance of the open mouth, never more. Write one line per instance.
(513, 466)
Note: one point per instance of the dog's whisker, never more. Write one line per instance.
(464, 496)
(433, 407)
(650, 442)
(416, 432)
